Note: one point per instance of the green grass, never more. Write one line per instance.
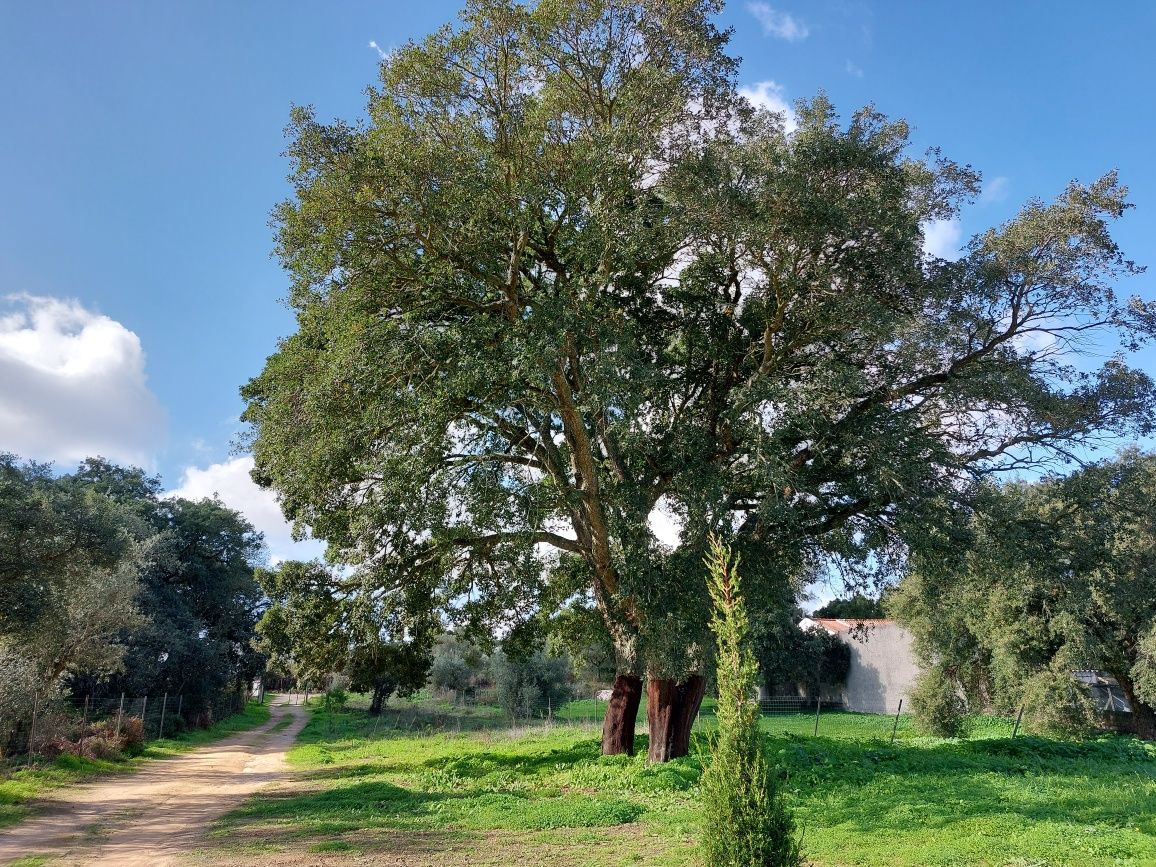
(19, 786)
(502, 794)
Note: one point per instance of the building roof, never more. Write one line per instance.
(836, 625)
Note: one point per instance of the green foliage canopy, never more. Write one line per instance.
(1055, 576)
(565, 274)
(320, 622)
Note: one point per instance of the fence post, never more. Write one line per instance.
(1019, 716)
(31, 733)
(164, 706)
(119, 714)
(895, 725)
(818, 707)
(144, 717)
(180, 703)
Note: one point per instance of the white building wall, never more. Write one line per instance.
(883, 668)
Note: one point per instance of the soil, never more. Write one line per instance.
(158, 814)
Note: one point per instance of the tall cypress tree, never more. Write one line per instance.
(744, 820)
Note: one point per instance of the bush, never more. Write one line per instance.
(450, 672)
(936, 704)
(132, 733)
(530, 687)
(745, 823)
(99, 746)
(335, 699)
(1054, 704)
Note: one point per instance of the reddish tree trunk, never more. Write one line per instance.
(621, 714)
(670, 711)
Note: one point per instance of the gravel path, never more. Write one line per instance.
(159, 813)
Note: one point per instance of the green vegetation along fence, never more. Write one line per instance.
(432, 713)
(55, 723)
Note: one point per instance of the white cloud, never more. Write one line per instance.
(941, 238)
(781, 25)
(230, 482)
(665, 524)
(854, 70)
(72, 384)
(381, 52)
(994, 190)
(769, 95)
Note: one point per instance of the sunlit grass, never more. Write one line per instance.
(858, 799)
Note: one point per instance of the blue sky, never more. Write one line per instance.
(140, 155)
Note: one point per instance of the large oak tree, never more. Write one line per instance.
(565, 275)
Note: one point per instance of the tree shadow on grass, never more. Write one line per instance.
(382, 804)
(478, 760)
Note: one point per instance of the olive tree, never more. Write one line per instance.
(564, 275)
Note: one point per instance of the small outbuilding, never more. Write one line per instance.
(883, 664)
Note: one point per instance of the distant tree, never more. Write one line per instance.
(57, 535)
(857, 607)
(530, 686)
(70, 558)
(320, 622)
(200, 604)
(1058, 575)
(456, 663)
(791, 658)
(565, 274)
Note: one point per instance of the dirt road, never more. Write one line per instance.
(155, 815)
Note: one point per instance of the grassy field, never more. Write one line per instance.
(20, 786)
(399, 792)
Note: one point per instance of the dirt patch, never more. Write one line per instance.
(154, 817)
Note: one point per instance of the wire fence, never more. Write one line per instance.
(97, 726)
(431, 712)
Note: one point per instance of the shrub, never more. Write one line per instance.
(335, 699)
(450, 672)
(105, 747)
(530, 687)
(745, 823)
(132, 732)
(1055, 705)
(936, 704)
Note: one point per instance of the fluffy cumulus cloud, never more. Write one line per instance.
(780, 25)
(769, 95)
(231, 483)
(72, 384)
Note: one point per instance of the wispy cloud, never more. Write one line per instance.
(994, 190)
(781, 25)
(769, 95)
(381, 52)
(854, 70)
